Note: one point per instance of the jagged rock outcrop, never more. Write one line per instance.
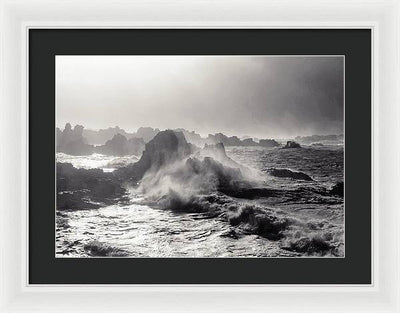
(166, 147)
(218, 153)
(337, 189)
(121, 146)
(101, 136)
(221, 138)
(249, 142)
(86, 189)
(71, 141)
(235, 141)
(192, 137)
(291, 145)
(285, 173)
(268, 143)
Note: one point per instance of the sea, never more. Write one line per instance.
(139, 229)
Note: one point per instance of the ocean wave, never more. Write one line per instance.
(249, 218)
(97, 248)
(313, 237)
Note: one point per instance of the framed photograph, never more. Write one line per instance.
(230, 165)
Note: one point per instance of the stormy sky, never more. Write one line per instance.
(246, 95)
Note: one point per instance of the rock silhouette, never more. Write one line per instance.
(121, 146)
(249, 142)
(146, 133)
(71, 141)
(99, 137)
(318, 138)
(86, 189)
(291, 144)
(338, 189)
(221, 138)
(166, 147)
(289, 174)
(268, 143)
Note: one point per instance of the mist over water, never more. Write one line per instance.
(258, 96)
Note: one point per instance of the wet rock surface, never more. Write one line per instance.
(166, 147)
(86, 189)
(268, 143)
(291, 145)
(288, 174)
(338, 189)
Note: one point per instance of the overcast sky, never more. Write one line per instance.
(257, 96)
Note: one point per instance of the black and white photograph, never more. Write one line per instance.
(200, 156)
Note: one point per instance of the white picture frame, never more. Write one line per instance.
(17, 17)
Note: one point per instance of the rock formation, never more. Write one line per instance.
(318, 138)
(248, 142)
(166, 147)
(86, 189)
(221, 138)
(121, 146)
(71, 141)
(235, 141)
(146, 133)
(337, 189)
(268, 143)
(291, 144)
(192, 137)
(288, 174)
(99, 137)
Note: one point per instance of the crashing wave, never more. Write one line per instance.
(248, 218)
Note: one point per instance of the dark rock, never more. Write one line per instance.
(337, 189)
(86, 189)
(291, 144)
(166, 147)
(268, 143)
(288, 174)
